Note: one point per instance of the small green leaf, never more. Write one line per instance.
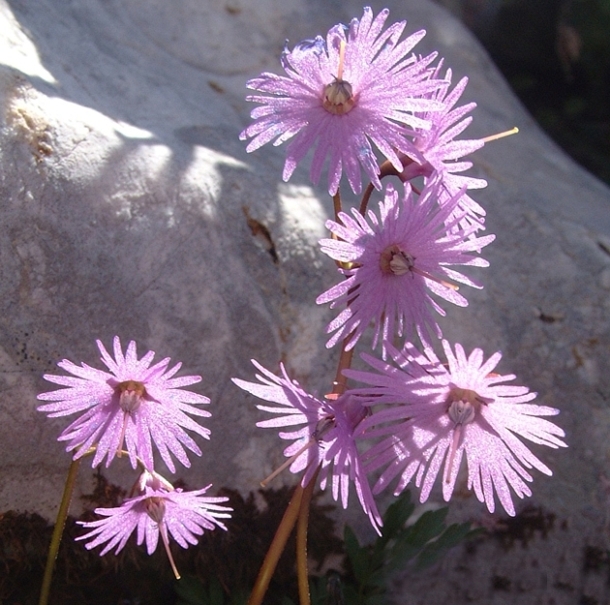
(358, 557)
(396, 517)
(427, 527)
(452, 536)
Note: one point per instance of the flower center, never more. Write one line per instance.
(338, 95)
(393, 260)
(131, 394)
(155, 507)
(463, 405)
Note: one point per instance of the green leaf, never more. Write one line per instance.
(427, 527)
(358, 556)
(396, 517)
(412, 539)
(452, 536)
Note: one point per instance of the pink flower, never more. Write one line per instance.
(133, 405)
(158, 510)
(438, 151)
(436, 414)
(358, 86)
(393, 262)
(325, 436)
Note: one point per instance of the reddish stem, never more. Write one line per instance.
(386, 169)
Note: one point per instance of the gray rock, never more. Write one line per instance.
(129, 206)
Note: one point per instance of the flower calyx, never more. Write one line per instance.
(155, 508)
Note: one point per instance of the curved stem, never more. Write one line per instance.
(386, 169)
(277, 547)
(58, 530)
(366, 197)
(302, 523)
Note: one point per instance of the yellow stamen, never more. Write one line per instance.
(341, 60)
(288, 462)
(442, 282)
(338, 95)
(500, 135)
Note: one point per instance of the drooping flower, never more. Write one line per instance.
(324, 436)
(159, 509)
(434, 415)
(359, 86)
(394, 261)
(439, 153)
(133, 405)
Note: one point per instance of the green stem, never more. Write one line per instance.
(277, 547)
(302, 523)
(58, 530)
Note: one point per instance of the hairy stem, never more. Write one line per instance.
(345, 362)
(337, 204)
(58, 530)
(302, 523)
(277, 547)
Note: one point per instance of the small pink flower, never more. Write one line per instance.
(434, 415)
(133, 406)
(439, 153)
(324, 436)
(359, 86)
(397, 260)
(159, 509)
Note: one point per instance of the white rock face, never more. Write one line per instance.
(128, 205)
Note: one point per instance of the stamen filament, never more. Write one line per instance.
(163, 532)
(438, 281)
(341, 60)
(119, 451)
(500, 135)
(288, 462)
(457, 432)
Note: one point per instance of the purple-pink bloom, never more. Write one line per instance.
(324, 437)
(133, 405)
(438, 151)
(393, 262)
(358, 86)
(434, 414)
(157, 510)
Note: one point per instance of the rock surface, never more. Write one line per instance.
(130, 207)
